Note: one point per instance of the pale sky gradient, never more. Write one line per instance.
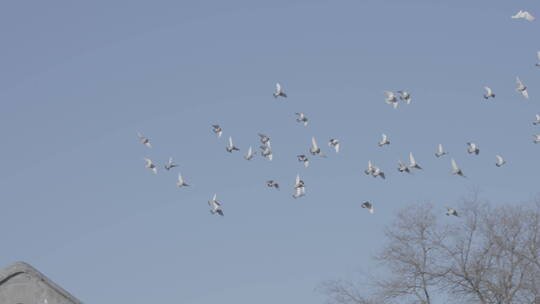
(79, 79)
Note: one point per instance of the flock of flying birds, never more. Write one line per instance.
(299, 187)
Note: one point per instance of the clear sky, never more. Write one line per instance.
(79, 79)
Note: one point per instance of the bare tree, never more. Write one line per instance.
(489, 255)
(411, 256)
(345, 292)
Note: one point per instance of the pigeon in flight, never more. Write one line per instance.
(150, 165)
(334, 143)
(451, 211)
(299, 188)
(303, 159)
(170, 164)
(368, 206)
(369, 169)
(500, 161)
(378, 172)
(250, 154)
(181, 182)
(267, 151)
(315, 149)
(215, 205)
(231, 147)
(456, 170)
(537, 121)
(472, 148)
(440, 152)
(536, 138)
(538, 56)
(144, 140)
(217, 129)
(412, 162)
(384, 141)
(279, 91)
(523, 15)
(272, 184)
(522, 88)
(299, 192)
(402, 167)
(489, 93)
(374, 171)
(302, 118)
(298, 183)
(264, 139)
(391, 99)
(405, 96)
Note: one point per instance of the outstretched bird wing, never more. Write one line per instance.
(411, 159)
(314, 143)
(454, 165)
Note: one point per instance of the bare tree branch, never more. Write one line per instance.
(489, 255)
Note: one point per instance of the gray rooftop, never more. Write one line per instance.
(21, 283)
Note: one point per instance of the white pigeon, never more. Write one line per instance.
(250, 154)
(144, 140)
(412, 162)
(264, 138)
(374, 171)
(334, 143)
(302, 118)
(181, 182)
(217, 129)
(522, 88)
(272, 184)
(384, 141)
(299, 192)
(402, 167)
(523, 15)
(303, 159)
(299, 187)
(456, 170)
(315, 149)
(267, 151)
(391, 99)
(473, 148)
(440, 151)
(150, 165)
(451, 211)
(369, 169)
(170, 164)
(215, 205)
(368, 206)
(231, 147)
(279, 91)
(536, 138)
(538, 56)
(378, 172)
(537, 121)
(298, 182)
(500, 161)
(405, 96)
(489, 93)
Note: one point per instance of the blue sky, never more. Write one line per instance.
(78, 80)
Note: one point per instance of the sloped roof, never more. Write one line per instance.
(17, 270)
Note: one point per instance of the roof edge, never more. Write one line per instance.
(23, 267)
